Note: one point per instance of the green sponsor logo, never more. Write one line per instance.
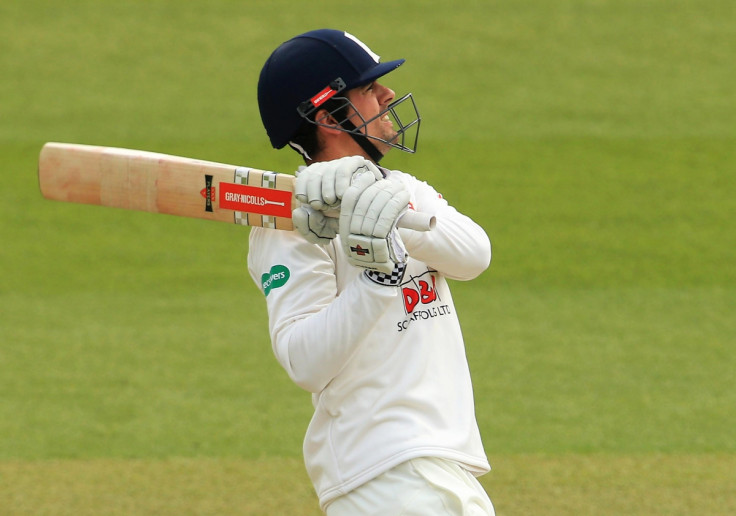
(275, 278)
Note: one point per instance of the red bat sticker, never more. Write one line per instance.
(253, 199)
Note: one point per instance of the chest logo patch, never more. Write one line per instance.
(275, 278)
(422, 300)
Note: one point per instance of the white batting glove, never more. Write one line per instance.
(322, 185)
(314, 225)
(368, 216)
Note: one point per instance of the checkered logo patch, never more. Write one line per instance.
(241, 176)
(390, 280)
(268, 180)
(269, 222)
(241, 218)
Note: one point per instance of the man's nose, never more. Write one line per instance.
(386, 94)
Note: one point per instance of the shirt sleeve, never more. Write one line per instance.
(457, 246)
(314, 330)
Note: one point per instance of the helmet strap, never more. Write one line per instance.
(364, 142)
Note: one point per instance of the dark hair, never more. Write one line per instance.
(305, 141)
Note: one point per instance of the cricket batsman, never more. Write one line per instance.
(360, 312)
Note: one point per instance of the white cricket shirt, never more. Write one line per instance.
(386, 366)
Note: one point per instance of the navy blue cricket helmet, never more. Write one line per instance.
(306, 65)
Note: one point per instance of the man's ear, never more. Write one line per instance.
(324, 117)
(327, 122)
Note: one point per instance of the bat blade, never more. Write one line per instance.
(174, 185)
(162, 183)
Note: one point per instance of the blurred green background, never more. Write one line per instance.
(593, 139)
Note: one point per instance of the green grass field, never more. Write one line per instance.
(593, 139)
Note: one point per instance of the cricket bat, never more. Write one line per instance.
(175, 185)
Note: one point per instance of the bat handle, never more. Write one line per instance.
(417, 221)
(411, 219)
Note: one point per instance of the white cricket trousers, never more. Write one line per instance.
(419, 487)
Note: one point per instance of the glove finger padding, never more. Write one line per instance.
(315, 198)
(314, 225)
(359, 184)
(304, 186)
(322, 185)
(339, 177)
(378, 208)
(367, 223)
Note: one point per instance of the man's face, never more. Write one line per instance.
(370, 100)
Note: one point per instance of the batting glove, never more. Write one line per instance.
(322, 185)
(314, 225)
(368, 216)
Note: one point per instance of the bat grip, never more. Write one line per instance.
(417, 221)
(411, 219)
